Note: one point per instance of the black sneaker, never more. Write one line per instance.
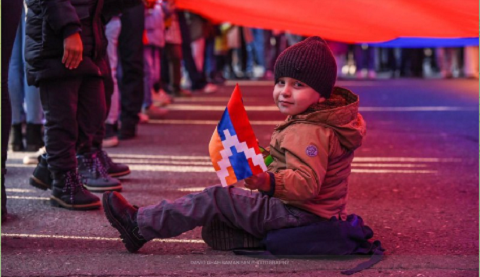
(34, 137)
(41, 177)
(128, 130)
(94, 176)
(219, 236)
(111, 138)
(123, 217)
(113, 169)
(68, 192)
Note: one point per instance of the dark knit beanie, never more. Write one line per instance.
(310, 61)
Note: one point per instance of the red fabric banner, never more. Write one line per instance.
(350, 21)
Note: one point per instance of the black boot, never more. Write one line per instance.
(123, 217)
(94, 175)
(34, 137)
(113, 169)
(16, 138)
(68, 192)
(41, 177)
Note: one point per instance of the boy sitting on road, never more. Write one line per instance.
(307, 181)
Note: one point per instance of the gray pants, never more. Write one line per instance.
(238, 208)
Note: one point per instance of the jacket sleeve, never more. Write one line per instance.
(306, 157)
(61, 16)
(116, 7)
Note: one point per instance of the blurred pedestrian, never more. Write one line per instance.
(25, 99)
(365, 61)
(154, 42)
(10, 18)
(130, 70)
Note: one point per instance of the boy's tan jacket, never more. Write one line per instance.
(313, 152)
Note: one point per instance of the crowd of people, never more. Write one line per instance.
(138, 60)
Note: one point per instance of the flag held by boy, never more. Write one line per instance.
(233, 147)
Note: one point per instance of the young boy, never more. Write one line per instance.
(307, 181)
(66, 57)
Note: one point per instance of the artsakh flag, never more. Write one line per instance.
(233, 148)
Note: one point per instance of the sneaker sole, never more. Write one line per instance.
(222, 237)
(34, 181)
(30, 160)
(119, 174)
(54, 201)
(124, 234)
(104, 189)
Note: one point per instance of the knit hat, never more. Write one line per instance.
(310, 61)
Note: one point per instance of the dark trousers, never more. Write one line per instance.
(11, 10)
(130, 53)
(108, 89)
(198, 78)
(173, 57)
(73, 110)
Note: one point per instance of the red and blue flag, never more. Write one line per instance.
(233, 148)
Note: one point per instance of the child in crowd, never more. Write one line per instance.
(66, 57)
(307, 181)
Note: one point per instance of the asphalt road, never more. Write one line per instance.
(414, 181)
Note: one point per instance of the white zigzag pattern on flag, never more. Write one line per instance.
(257, 159)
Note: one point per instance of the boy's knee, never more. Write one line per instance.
(215, 189)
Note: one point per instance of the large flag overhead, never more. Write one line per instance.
(352, 21)
(233, 148)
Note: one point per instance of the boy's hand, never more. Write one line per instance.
(260, 181)
(72, 51)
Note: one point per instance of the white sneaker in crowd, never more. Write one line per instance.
(155, 112)
(360, 74)
(110, 142)
(143, 118)
(162, 98)
(33, 158)
(210, 88)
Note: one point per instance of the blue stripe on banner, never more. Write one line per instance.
(240, 164)
(427, 42)
(225, 124)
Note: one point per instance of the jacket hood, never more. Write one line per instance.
(340, 113)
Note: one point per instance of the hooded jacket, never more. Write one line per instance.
(312, 154)
(50, 21)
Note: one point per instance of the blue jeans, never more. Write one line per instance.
(238, 208)
(20, 92)
(364, 58)
(259, 46)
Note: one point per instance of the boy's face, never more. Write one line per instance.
(293, 97)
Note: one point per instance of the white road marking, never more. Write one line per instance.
(207, 122)
(385, 171)
(387, 165)
(271, 108)
(20, 190)
(95, 238)
(27, 197)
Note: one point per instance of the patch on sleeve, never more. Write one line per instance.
(311, 151)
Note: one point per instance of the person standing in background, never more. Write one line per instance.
(21, 93)
(130, 53)
(154, 42)
(11, 12)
